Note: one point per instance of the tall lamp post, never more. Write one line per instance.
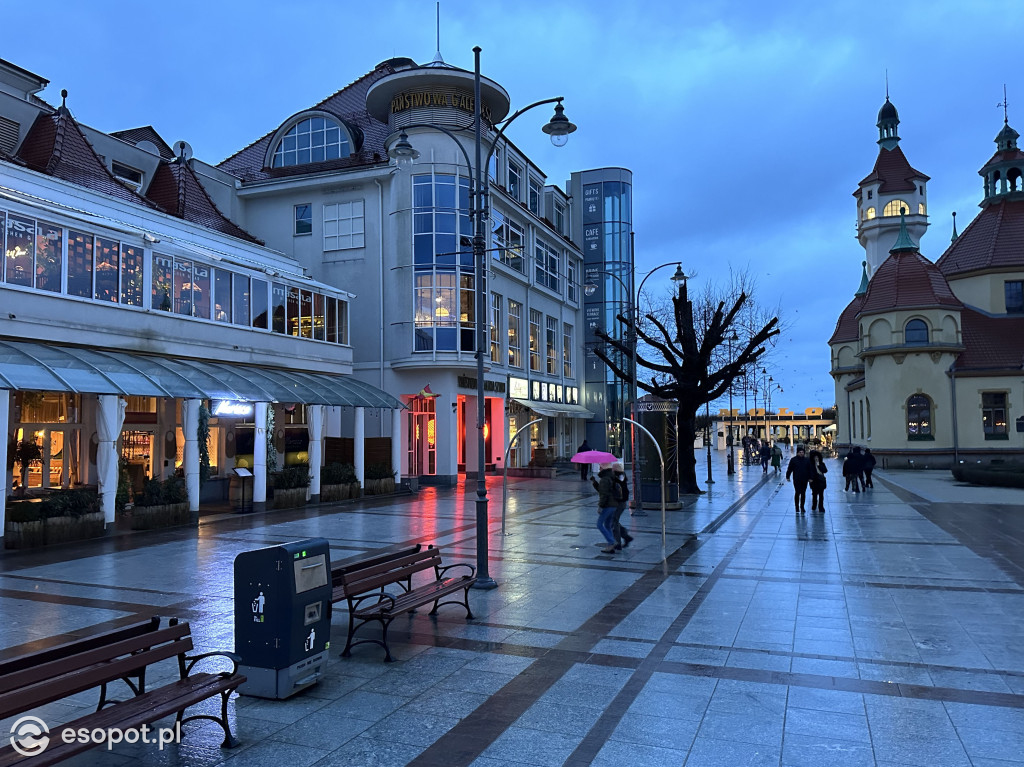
(732, 438)
(558, 128)
(634, 317)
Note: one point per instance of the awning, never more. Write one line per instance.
(45, 367)
(554, 409)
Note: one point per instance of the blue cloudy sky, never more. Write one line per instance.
(747, 124)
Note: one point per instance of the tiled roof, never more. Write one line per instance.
(993, 240)
(894, 172)
(348, 105)
(146, 133)
(991, 343)
(176, 190)
(906, 280)
(56, 146)
(847, 328)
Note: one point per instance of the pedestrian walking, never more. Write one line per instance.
(869, 466)
(765, 454)
(853, 467)
(606, 506)
(584, 467)
(818, 482)
(799, 470)
(777, 458)
(620, 493)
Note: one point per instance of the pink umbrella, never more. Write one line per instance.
(593, 456)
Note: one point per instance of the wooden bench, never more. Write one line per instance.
(364, 588)
(35, 679)
(370, 559)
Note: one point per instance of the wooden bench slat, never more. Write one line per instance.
(418, 597)
(71, 647)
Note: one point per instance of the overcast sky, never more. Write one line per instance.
(747, 124)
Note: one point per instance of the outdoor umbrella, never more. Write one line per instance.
(593, 456)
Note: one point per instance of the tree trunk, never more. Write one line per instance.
(684, 452)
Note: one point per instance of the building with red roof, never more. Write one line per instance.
(928, 358)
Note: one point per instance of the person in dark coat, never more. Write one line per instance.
(584, 467)
(869, 466)
(818, 482)
(620, 492)
(853, 468)
(765, 454)
(799, 470)
(606, 506)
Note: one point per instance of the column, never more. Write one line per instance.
(259, 459)
(109, 419)
(5, 399)
(396, 445)
(44, 476)
(190, 455)
(359, 445)
(315, 416)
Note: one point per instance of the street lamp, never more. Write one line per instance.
(732, 438)
(558, 128)
(634, 317)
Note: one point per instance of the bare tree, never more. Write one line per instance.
(694, 367)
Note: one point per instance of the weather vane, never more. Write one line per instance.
(1004, 104)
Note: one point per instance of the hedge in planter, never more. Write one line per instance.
(997, 475)
(66, 515)
(290, 487)
(161, 504)
(380, 480)
(338, 482)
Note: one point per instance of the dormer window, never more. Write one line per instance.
(127, 175)
(893, 208)
(314, 139)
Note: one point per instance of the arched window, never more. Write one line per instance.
(920, 208)
(314, 139)
(915, 332)
(893, 208)
(919, 417)
(869, 213)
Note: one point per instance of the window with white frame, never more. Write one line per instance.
(508, 240)
(314, 139)
(535, 320)
(304, 219)
(571, 279)
(559, 217)
(515, 334)
(496, 325)
(546, 265)
(534, 197)
(343, 225)
(567, 335)
(515, 180)
(551, 337)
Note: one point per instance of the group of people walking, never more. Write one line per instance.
(806, 470)
(613, 497)
(857, 468)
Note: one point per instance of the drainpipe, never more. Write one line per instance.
(380, 237)
(952, 391)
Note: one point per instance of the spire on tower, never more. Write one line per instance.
(903, 243)
(955, 235)
(863, 279)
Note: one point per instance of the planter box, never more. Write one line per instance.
(543, 472)
(380, 486)
(26, 535)
(329, 493)
(168, 515)
(289, 499)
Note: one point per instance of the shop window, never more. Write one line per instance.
(132, 287)
(303, 219)
(108, 257)
(20, 251)
(318, 316)
(919, 418)
(915, 332)
(163, 284)
(277, 301)
(239, 299)
(260, 304)
(80, 264)
(993, 415)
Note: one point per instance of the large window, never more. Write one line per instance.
(993, 414)
(443, 300)
(496, 325)
(515, 334)
(546, 262)
(1014, 293)
(535, 320)
(571, 279)
(315, 139)
(893, 208)
(507, 240)
(916, 332)
(534, 197)
(919, 417)
(559, 217)
(567, 340)
(343, 225)
(33, 253)
(551, 337)
(515, 180)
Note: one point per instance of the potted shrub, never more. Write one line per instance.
(290, 487)
(338, 482)
(380, 480)
(66, 515)
(161, 504)
(26, 453)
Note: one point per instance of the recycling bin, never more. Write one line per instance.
(283, 617)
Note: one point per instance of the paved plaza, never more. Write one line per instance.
(887, 631)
